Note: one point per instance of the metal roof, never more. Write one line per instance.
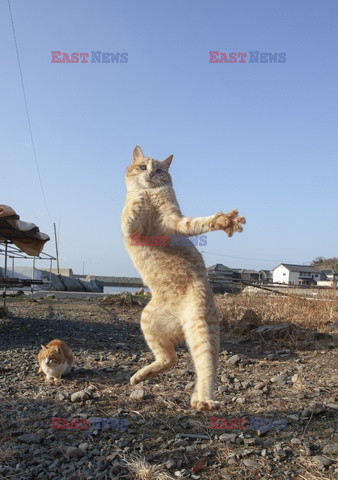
(299, 268)
(24, 235)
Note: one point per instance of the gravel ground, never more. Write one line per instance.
(268, 378)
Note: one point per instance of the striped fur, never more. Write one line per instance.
(182, 304)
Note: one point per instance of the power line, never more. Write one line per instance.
(27, 112)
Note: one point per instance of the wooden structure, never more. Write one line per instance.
(19, 240)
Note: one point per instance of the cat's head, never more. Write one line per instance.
(145, 172)
(51, 356)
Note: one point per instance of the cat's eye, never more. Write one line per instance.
(143, 167)
(158, 170)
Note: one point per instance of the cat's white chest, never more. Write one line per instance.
(55, 370)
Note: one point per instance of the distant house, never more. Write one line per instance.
(297, 274)
(222, 278)
(331, 275)
(248, 275)
(265, 276)
(220, 272)
(331, 278)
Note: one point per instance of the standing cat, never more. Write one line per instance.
(182, 304)
(55, 359)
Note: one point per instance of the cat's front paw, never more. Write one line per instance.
(138, 205)
(228, 222)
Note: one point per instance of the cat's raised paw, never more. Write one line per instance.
(207, 405)
(228, 222)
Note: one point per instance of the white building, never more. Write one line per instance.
(296, 274)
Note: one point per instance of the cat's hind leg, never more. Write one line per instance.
(159, 332)
(201, 330)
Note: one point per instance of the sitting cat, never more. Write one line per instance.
(182, 304)
(55, 359)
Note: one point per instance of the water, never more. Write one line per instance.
(116, 290)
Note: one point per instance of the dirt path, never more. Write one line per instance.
(289, 381)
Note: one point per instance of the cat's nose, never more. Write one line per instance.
(151, 174)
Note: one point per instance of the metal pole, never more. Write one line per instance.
(57, 250)
(50, 274)
(32, 285)
(5, 291)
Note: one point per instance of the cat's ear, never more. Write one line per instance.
(137, 154)
(43, 347)
(166, 163)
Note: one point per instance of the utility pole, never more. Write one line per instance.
(57, 250)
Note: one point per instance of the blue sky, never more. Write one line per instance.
(258, 137)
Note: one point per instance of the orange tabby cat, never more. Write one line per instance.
(182, 304)
(55, 360)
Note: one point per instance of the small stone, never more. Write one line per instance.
(262, 431)
(234, 360)
(322, 461)
(222, 389)
(250, 463)
(294, 378)
(189, 386)
(228, 437)
(171, 463)
(225, 378)
(272, 356)
(293, 417)
(79, 396)
(260, 385)
(285, 351)
(240, 400)
(331, 449)
(256, 392)
(29, 438)
(308, 451)
(74, 452)
(282, 378)
(138, 394)
(83, 446)
(333, 406)
(250, 441)
(316, 408)
(296, 441)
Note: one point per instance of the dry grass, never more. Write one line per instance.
(142, 470)
(312, 313)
